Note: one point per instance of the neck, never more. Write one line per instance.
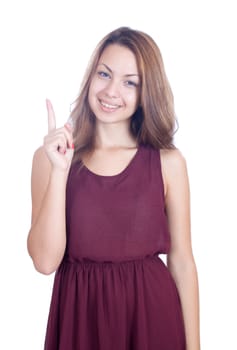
(114, 135)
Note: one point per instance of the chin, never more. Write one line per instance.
(108, 120)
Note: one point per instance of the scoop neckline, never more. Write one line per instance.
(124, 171)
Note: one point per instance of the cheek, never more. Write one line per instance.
(96, 86)
(133, 98)
(93, 90)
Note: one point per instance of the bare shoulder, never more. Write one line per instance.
(172, 159)
(174, 167)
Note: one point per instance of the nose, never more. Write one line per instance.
(112, 89)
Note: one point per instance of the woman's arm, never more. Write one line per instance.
(47, 237)
(180, 259)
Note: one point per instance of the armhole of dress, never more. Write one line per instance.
(69, 181)
(161, 174)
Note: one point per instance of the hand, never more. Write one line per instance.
(58, 144)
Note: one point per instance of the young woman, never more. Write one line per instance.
(109, 195)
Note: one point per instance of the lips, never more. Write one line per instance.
(108, 107)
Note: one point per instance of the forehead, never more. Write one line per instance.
(119, 58)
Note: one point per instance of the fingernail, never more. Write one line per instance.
(61, 150)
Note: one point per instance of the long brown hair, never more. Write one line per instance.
(154, 121)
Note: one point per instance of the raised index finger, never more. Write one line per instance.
(51, 116)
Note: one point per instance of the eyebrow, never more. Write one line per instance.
(110, 70)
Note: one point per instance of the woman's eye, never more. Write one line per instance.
(131, 83)
(103, 74)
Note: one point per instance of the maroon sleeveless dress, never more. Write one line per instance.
(112, 291)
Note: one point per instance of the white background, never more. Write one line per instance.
(45, 46)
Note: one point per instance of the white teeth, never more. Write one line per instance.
(108, 106)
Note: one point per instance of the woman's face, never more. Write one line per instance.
(114, 89)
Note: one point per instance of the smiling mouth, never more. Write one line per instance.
(108, 106)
